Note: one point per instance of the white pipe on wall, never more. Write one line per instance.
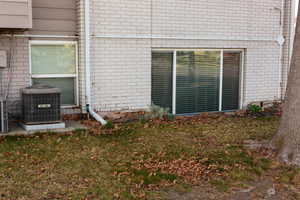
(281, 41)
(115, 36)
(87, 65)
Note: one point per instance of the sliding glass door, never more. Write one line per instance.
(231, 80)
(197, 81)
(162, 81)
(194, 81)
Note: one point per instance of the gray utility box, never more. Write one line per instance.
(3, 116)
(41, 105)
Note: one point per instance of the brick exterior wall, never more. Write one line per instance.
(20, 66)
(124, 32)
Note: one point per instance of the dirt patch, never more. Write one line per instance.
(200, 192)
(264, 189)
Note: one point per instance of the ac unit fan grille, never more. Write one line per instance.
(41, 108)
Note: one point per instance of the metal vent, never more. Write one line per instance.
(3, 116)
(41, 104)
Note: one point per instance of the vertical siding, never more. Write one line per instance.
(54, 17)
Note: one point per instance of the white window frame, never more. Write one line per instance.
(242, 65)
(75, 76)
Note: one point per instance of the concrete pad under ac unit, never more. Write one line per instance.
(39, 127)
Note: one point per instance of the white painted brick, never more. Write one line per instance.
(122, 67)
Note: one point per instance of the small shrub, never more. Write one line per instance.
(157, 112)
(171, 117)
(109, 125)
(254, 109)
(79, 130)
(143, 120)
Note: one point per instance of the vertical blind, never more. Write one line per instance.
(162, 64)
(231, 80)
(197, 81)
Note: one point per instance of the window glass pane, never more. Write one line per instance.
(231, 80)
(65, 84)
(198, 74)
(162, 63)
(53, 59)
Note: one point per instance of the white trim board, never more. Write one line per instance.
(184, 38)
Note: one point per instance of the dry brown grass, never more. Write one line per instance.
(137, 160)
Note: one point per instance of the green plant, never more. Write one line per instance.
(149, 178)
(157, 112)
(254, 109)
(171, 117)
(143, 120)
(109, 125)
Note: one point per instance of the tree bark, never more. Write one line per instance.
(287, 139)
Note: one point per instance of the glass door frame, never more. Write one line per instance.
(174, 71)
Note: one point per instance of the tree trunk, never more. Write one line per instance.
(287, 139)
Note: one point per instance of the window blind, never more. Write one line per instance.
(231, 80)
(197, 82)
(162, 64)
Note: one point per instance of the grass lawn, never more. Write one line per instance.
(141, 160)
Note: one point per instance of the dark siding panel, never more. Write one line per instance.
(162, 63)
(54, 14)
(231, 80)
(55, 17)
(52, 25)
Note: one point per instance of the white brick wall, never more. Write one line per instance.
(121, 74)
(122, 29)
(121, 64)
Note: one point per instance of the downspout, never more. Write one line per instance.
(281, 41)
(88, 66)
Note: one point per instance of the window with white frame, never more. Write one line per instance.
(187, 81)
(54, 63)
